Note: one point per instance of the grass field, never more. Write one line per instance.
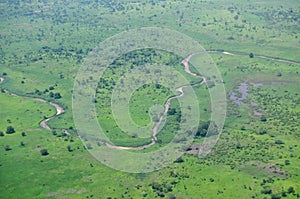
(44, 43)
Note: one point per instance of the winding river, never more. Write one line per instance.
(43, 123)
(60, 110)
(185, 63)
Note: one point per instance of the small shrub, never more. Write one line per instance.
(7, 148)
(275, 196)
(291, 190)
(279, 142)
(69, 148)
(287, 162)
(179, 160)
(10, 130)
(266, 190)
(44, 152)
(263, 118)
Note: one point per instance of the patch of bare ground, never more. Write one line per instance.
(270, 169)
(63, 195)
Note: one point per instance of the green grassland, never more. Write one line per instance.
(43, 44)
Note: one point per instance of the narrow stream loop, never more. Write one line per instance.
(60, 110)
(185, 63)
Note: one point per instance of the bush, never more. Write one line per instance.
(263, 118)
(69, 148)
(10, 130)
(57, 96)
(266, 190)
(179, 160)
(279, 142)
(262, 132)
(1, 133)
(291, 190)
(287, 162)
(275, 196)
(7, 148)
(202, 129)
(44, 152)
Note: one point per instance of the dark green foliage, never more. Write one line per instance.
(262, 132)
(279, 142)
(202, 129)
(44, 152)
(287, 162)
(10, 130)
(172, 111)
(276, 196)
(7, 148)
(266, 190)
(161, 189)
(291, 190)
(57, 96)
(69, 148)
(179, 160)
(263, 118)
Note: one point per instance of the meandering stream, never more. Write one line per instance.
(43, 123)
(185, 63)
(60, 110)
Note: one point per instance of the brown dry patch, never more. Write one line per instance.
(193, 149)
(271, 169)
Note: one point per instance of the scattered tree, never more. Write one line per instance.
(179, 160)
(44, 152)
(291, 190)
(10, 130)
(251, 55)
(287, 162)
(279, 142)
(7, 148)
(57, 96)
(172, 111)
(69, 148)
(279, 74)
(263, 118)
(266, 190)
